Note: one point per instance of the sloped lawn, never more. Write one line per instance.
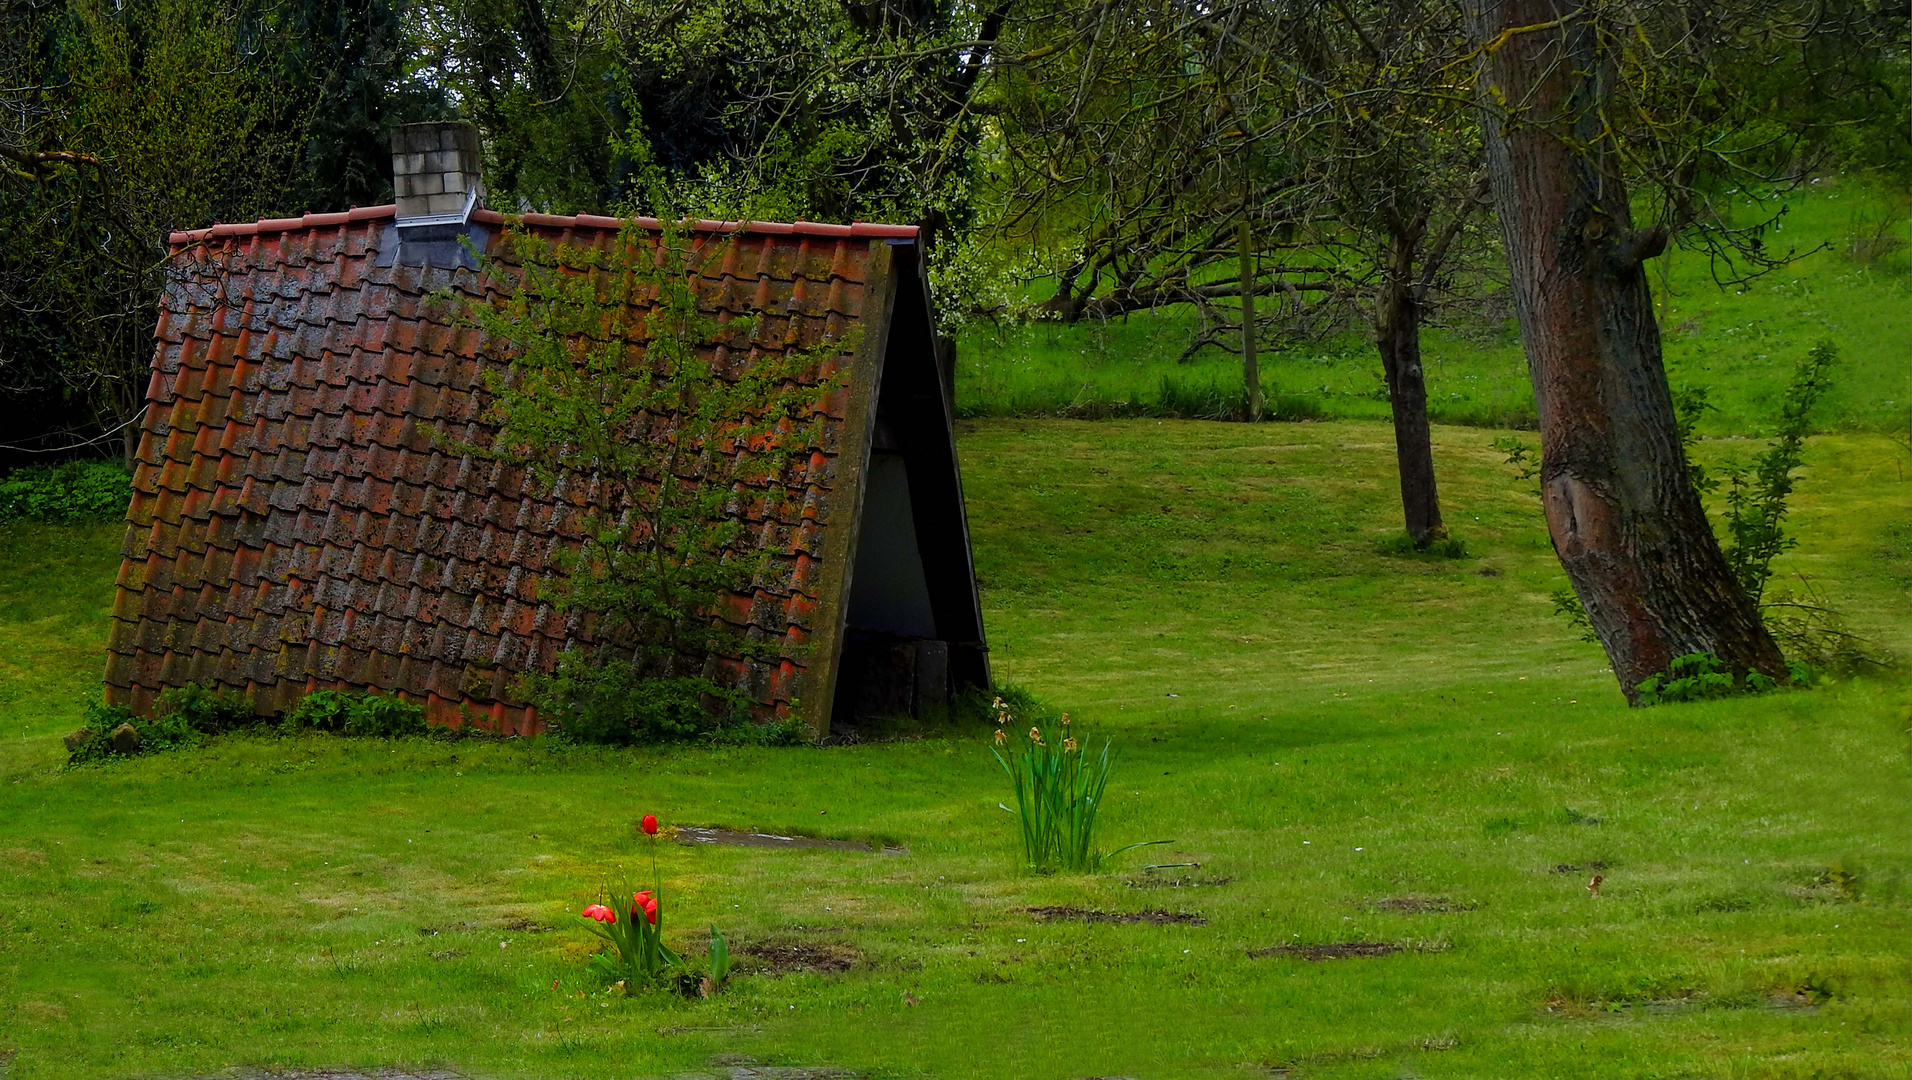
(1352, 750)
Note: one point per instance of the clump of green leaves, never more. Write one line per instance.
(339, 713)
(185, 715)
(1059, 786)
(1801, 618)
(1700, 676)
(1567, 605)
(96, 738)
(615, 703)
(1446, 547)
(72, 491)
(1690, 406)
(1847, 878)
(181, 717)
(615, 379)
(1693, 677)
(206, 710)
(1524, 457)
(1757, 494)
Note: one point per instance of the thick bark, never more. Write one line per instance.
(1625, 520)
(1397, 336)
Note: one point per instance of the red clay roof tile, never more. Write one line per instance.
(582, 222)
(297, 522)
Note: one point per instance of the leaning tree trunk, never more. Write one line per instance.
(1397, 336)
(1625, 519)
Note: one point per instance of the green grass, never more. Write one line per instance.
(55, 597)
(1321, 723)
(1739, 342)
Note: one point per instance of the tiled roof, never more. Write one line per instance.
(298, 521)
(863, 229)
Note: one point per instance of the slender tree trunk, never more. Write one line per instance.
(1625, 520)
(1250, 366)
(1397, 336)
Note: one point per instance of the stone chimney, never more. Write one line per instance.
(435, 173)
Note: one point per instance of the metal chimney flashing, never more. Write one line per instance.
(458, 217)
(437, 178)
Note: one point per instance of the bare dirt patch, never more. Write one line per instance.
(783, 957)
(1152, 881)
(23, 856)
(1807, 996)
(1420, 905)
(697, 834)
(1157, 917)
(1340, 950)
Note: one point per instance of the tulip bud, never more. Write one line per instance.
(649, 825)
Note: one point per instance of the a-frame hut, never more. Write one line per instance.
(298, 522)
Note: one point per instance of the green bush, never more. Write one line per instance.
(184, 715)
(181, 717)
(206, 710)
(1700, 676)
(612, 704)
(72, 491)
(372, 715)
(321, 710)
(94, 740)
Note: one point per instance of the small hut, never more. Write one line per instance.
(298, 521)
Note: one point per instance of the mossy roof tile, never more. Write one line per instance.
(302, 517)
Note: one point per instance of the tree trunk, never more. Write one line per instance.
(1625, 520)
(130, 403)
(1250, 366)
(1397, 336)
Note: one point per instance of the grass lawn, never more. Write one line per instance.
(1321, 727)
(1739, 342)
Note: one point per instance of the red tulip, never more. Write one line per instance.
(648, 903)
(649, 825)
(600, 913)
